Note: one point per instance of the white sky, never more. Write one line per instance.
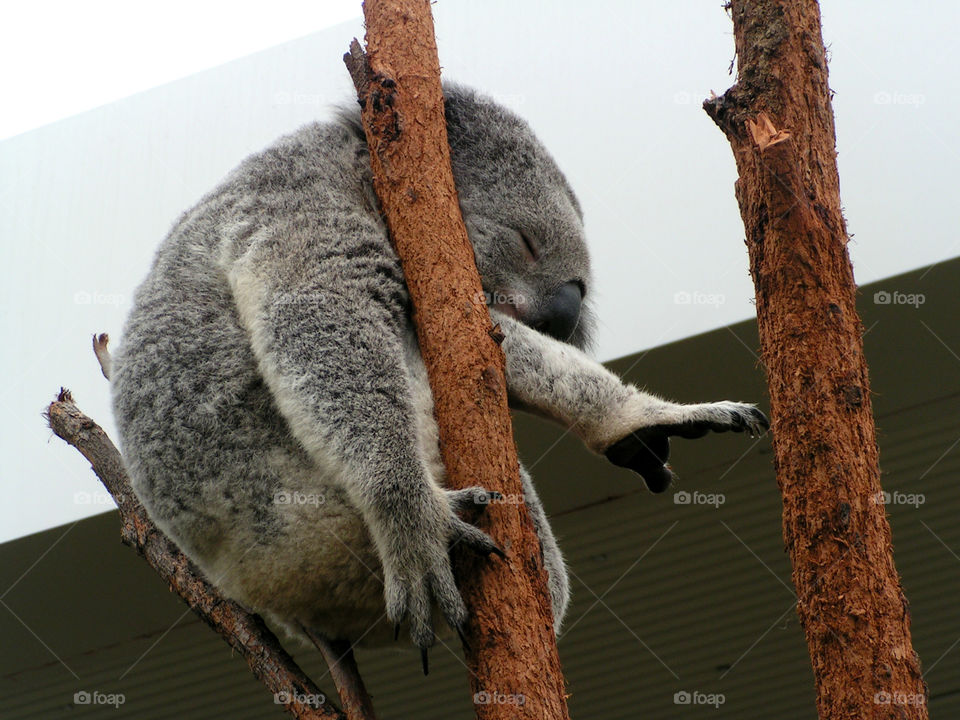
(61, 58)
(613, 88)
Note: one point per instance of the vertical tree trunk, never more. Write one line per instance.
(779, 121)
(512, 654)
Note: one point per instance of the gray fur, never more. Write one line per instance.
(273, 408)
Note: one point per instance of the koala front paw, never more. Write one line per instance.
(645, 450)
(419, 574)
(720, 417)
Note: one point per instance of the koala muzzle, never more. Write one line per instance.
(561, 313)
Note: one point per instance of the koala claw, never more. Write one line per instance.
(751, 419)
(499, 552)
(423, 660)
(474, 538)
(757, 424)
(411, 598)
(645, 450)
(472, 498)
(720, 417)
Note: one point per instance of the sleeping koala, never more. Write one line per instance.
(273, 407)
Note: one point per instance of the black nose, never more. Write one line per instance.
(561, 314)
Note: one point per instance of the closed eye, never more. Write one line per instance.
(530, 247)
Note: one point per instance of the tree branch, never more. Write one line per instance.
(243, 631)
(779, 121)
(510, 645)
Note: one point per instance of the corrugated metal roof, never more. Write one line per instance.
(667, 597)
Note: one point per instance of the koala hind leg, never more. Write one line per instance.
(557, 577)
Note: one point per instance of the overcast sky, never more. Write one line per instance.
(613, 89)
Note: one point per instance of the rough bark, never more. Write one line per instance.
(779, 121)
(511, 648)
(246, 633)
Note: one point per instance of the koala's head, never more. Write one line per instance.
(522, 217)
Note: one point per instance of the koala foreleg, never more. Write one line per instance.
(631, 427)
